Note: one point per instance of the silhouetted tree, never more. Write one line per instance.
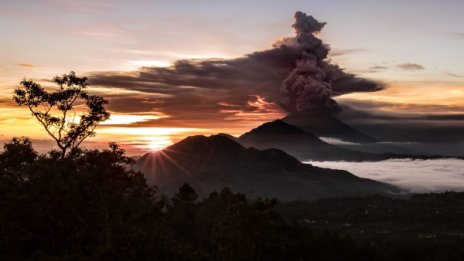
(251, 231)
(186, 195)
(182, 212)
(17, 156)
(56, 111)
(211, 212)
(88, 206)
(91, 205)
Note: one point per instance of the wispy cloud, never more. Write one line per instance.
(454, 75)
(114, 32)
(410, 66)
(27, 65)
(86, 6)
(336, 141)
(341, 52)
(375, 69)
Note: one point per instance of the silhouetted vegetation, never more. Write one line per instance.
(91, 205)
(56, 111)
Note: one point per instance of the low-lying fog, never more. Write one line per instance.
(416, 175)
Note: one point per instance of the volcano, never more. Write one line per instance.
(306, 146)
(299, 143)
(323, 123)
(212, 163)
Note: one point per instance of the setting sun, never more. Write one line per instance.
(158, 143)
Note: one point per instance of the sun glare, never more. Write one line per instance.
(120, 119)
(158, 143)
(149, 131)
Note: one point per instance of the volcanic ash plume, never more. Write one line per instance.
(309, 83)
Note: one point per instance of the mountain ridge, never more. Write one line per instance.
(323, 124)
(305, 146)
(211, 163)
(299, 143)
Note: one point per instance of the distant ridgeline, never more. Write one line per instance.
(265, 162)
(211, 163)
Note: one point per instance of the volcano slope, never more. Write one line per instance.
(300, 144)
(214, 162)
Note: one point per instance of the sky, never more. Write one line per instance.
(130, 50)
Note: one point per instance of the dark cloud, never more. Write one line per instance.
(306, 25)
(447, 117)
(194, 90)
(410, 66)
(194, 106)
(309, 84)
(349, 83)
(210, 87)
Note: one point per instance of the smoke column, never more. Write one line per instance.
(309, 85)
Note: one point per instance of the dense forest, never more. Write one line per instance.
(91, 205)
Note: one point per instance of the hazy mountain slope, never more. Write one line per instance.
(323, 124)
(299, 143)
(306, 146)
(211, 163)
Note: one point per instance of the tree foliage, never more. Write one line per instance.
(17, 157)
(57, 111)
(92, 205)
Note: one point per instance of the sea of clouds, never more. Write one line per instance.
(419, 176)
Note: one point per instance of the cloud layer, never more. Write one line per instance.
(410, 66)
(217, 89)
(439, 127)
(414, 175)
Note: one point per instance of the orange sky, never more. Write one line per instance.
(397, 43)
